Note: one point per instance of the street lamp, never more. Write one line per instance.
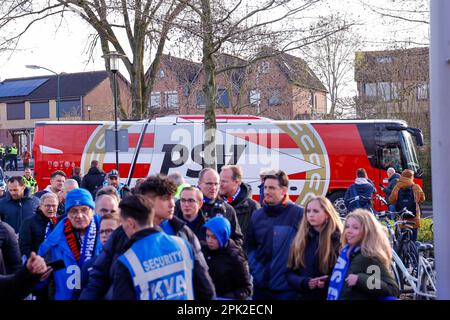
(89, 108)
(114, 66)
(58, 98)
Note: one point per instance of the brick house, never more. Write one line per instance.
(392, 82)
(279, 87)
(83, 96)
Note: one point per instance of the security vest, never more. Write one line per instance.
(13, 151)
(30, 184)
(161, 267)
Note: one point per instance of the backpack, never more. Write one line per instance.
(406, 199)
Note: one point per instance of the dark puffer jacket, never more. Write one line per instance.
(9, 250)
(356, 189)
(359, 265)
(392, 181)
(271, 231)
(15, 212)
(229, 271)
(298, 278)
(32, 233)
(101, 275)
(92, 180)
(244, 207)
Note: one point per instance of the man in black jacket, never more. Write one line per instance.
(160, 190)
(208, 183)
(93, 179)
(36, 228)
(9, 250)
(238, 195)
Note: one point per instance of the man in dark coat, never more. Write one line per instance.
(393, 177)
(18, 205)
(94, 178)
(36, 228)
(271, 231)
(237, 194)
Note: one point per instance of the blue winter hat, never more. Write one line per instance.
(79, 197)
(221, 228)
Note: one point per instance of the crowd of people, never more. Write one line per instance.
(93, 238)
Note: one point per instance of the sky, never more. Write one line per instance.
(61, 46)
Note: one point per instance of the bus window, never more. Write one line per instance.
(390, 157)
(110, 145)
(408, 146)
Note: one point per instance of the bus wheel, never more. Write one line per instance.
(337, 199)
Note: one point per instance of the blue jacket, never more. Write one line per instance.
(366, 190)
(55, 247)
(15, 212)
(270, 234)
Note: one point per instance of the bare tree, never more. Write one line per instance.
(131, 28)
(332, 58)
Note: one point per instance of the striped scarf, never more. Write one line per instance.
(87, 244)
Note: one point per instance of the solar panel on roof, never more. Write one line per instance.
(17, 88)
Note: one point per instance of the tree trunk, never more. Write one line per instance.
(209, 88)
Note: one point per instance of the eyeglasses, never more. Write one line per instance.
(106, 231)
(73, 212)
(103, 210)
(50, 206)
(190, 201)
(212, 184)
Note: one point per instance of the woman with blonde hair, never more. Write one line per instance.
(362, 270)
(315, 249)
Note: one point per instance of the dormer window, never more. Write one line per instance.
(161, 73)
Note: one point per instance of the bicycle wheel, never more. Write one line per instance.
(427, 285)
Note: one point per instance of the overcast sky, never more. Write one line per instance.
(65, 50)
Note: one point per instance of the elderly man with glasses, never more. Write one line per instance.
(75, 240)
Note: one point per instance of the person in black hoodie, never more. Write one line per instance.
(238, 195)
(314, 250)
(36, 228)
(9, 250)
(363, 186)
(93, 179)
(228, 266)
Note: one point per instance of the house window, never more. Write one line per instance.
(15, 111)
(223, 99)
(172, 99)
(395, 90)
(383, 60)
(200, 97)
(384, 91)
(264, 67)
(161, 73)
(69, 108)
(155, 100)
(39, 110)
(254, 97)
(370, 89)
(422, 91)
(275, 97)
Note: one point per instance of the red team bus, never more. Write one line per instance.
(320, 157)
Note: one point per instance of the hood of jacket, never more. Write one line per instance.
(95, 171)
(405, 182)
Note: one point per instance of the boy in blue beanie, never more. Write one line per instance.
(228, 266)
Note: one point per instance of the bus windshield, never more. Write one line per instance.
(408, 146)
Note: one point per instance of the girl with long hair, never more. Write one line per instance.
(315, 249)
(362, 270)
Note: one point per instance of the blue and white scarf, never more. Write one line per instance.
(88, 243)
(340, 272)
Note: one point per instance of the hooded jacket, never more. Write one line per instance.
(55, 247)
(93, 179)
(392, 181)
(419, 196)
(361, 187)
(298, 278)
(15, 212)
(244, 207)
(270, 234)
